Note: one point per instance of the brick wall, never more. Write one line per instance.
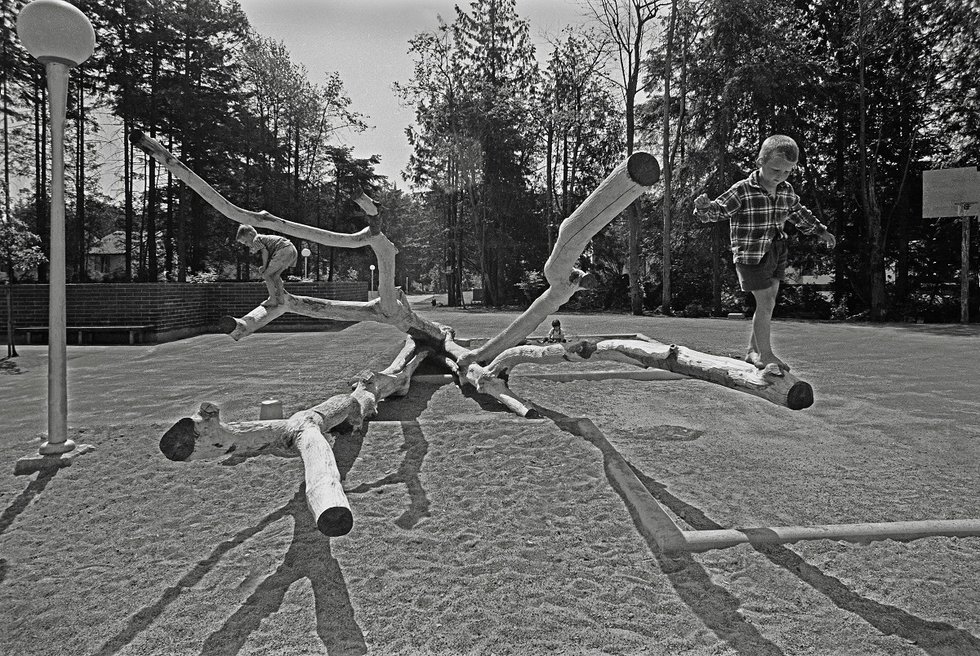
(177, 310)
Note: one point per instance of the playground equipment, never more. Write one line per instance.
(486, 367)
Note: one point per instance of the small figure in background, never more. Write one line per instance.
(556, 335)
(278, 254)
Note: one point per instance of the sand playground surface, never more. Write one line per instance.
(477, 532)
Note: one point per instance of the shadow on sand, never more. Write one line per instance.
(718, 608)
(309, 553)
(308, 557)
(936, 638)
(20, 504)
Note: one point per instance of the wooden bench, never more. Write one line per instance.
(136, 333)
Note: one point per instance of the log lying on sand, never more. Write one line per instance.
(204, 435)
(785, 390)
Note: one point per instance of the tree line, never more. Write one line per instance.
(508, 141)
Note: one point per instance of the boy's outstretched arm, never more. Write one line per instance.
(722, 208)
(801, 216)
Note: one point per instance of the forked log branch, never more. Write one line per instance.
(371, 236)
(205, 436)
(402, 318)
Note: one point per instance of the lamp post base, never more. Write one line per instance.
(56, 448)
(41, 461)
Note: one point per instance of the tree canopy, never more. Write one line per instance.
(507, 141)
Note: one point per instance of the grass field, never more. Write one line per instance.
(480, 533)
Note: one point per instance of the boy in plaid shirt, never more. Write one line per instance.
(758, 207)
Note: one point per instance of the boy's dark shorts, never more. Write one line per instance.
(772, 266)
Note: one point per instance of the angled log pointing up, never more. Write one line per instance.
(627, 182)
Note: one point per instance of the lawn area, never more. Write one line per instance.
(477, 532)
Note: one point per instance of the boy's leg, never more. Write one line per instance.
(763, 280)
(760, 346)
(271, 278)
(282, 260)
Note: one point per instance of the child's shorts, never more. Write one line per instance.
(772, 266)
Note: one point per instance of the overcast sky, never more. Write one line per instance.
(366, 42)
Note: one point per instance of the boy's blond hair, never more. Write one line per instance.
(778, 144)
(245, 230)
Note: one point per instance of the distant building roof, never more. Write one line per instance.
(112, 244)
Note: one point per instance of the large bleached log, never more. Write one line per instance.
(785, 389)
(205, 436)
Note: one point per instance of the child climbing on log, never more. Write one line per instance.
(758, 207)
(278, 254)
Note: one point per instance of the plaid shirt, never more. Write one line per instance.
(757, 218)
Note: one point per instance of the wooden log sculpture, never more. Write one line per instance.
(484, 368)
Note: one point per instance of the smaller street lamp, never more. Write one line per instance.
(306, 254)
(371, 288)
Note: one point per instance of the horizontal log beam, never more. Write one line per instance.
(402, 318)
(699, 541)
(785, 390)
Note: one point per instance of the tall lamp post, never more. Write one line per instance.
(61, 37)
(371, 288)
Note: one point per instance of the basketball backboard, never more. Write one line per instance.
(944, 189)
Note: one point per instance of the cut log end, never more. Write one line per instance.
(334, 522)
(643, 169)
(227, 324)
(800, 396)
(135, 137)
(178, 442)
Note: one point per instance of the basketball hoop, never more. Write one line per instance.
(954, 192)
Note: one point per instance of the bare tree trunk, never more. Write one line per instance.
(9, 292)
(549, 184)
(128, 198)
(40, 173)
(152, 270)
(625, 21)
(81, 245)
(168, 239)
(668, 158)
(869, 200)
